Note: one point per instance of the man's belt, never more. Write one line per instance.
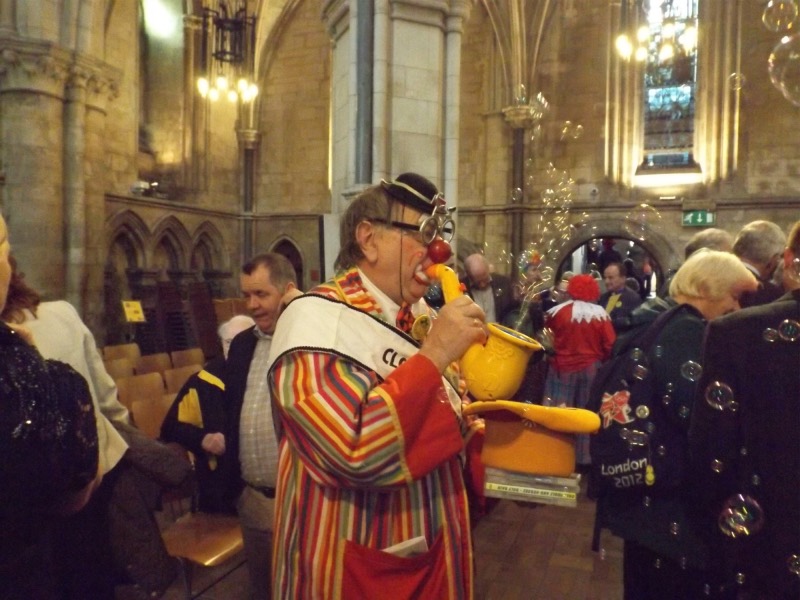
(267, 492)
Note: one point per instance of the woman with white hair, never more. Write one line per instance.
(663, 556)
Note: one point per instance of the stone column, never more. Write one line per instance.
(454, 29)
(32, 78)
(74, 191)
(249, 140)
(100, 89)
(519, 117)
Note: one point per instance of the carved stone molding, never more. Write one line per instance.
(40, 67)
(336, 16)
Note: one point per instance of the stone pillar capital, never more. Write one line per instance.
(336, 16)
(40, 67)
(248, 138)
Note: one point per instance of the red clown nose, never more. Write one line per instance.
(439, 251)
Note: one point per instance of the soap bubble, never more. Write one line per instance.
(770, 335)
(789, 330)
(641, 220)
(793, 564)
(779, 15)
(794, 268)
(737, 81)
(691, 370)
(741, 516)
(784, 68)
(719, 395)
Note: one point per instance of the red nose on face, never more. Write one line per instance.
(439, 251)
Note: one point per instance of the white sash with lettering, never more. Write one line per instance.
(320, 324)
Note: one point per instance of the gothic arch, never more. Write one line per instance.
(291, 251)
(171, 243)
(208, 249)
(271, 25)
(127, 233)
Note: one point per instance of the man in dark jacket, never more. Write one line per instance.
(618, 300)
(745, 443)
(268, 282)
(759, 245)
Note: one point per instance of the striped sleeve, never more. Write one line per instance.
(351, 430)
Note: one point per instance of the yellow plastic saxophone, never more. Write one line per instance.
(527, 438)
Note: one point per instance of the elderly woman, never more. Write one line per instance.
(48, 445)
(663, 557)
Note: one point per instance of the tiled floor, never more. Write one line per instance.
(523, 551)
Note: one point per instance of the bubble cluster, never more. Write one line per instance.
(571, 131)
(741, 516)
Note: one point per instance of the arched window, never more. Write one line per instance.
(672, 118)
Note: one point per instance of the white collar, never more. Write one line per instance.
(388, 307)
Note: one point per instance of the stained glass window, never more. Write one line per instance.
(670, 83)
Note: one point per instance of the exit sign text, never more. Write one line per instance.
(698, 218)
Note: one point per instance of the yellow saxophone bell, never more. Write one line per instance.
(526, 438)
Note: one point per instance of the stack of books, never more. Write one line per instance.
(543, 489)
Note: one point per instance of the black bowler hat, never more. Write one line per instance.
(415, 191)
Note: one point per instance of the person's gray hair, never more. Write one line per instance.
(373, 205)
(709, 274)
(234, 325)
(759, 242)
(712, 238)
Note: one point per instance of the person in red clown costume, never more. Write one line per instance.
(583, 337)
(371, 498)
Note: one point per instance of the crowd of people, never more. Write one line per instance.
(333, 422)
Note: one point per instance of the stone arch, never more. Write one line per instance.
(170, 246)
(125, 259)
(660, 249)
(128, 233)
(291, 251)
(270, 27)
(208, 249)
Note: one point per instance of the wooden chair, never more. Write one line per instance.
(130, 351)
(203, 539)
(148, 414)
(119, 367)
(190, 356)
(175, 378)
(140, 387)
(153, 363)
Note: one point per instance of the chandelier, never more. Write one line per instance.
(658, 32)
(227, 52)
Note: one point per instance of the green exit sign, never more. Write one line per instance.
(698, 218)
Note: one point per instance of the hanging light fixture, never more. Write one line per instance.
(667, 31)
(227, 52)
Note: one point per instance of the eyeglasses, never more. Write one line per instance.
(430, 228)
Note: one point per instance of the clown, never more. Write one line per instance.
(371, 427)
